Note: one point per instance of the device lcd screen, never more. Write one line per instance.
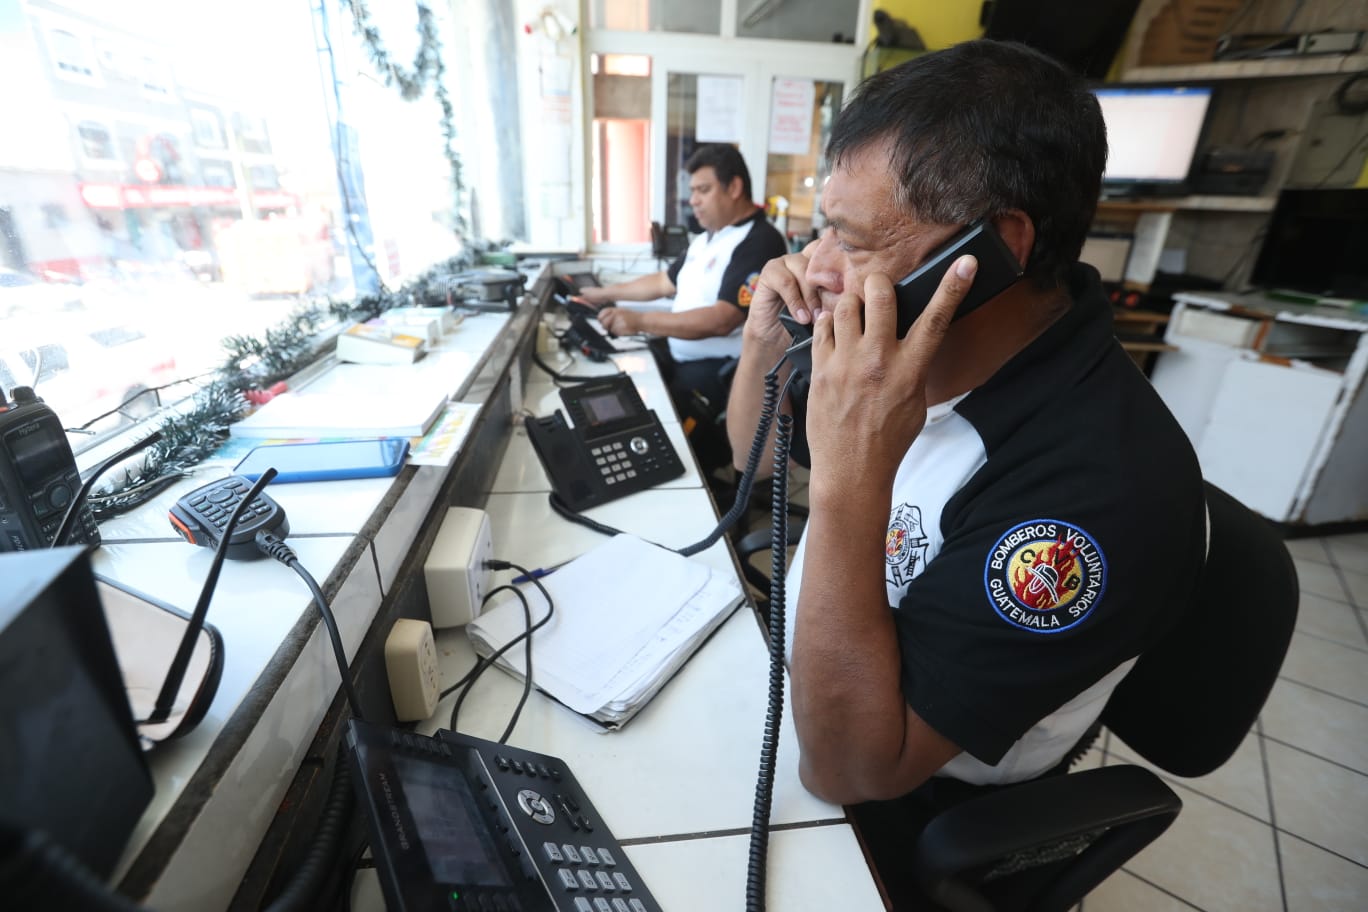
(455, 839)
(36, 455)
(604, 408)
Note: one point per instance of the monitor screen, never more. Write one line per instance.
(1152, 134)
(1315, 244)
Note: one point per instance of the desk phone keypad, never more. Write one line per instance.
(645, 453)
(587, 870)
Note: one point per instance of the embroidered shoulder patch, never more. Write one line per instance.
(1045, 576)
(747, 289)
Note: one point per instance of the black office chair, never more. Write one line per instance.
(1185, 707)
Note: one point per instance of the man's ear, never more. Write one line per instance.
(1018, 232)
(736, 188)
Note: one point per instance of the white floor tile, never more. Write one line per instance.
(1328, 666)
(1347, 555)
(1320, 579)
(1240, 783)
(1124, 892)
(1215, 858)
(1312, 549)
(1330, 620)
(1319, 801)
(1318, 881)
(1318, 723)
(1358, 587)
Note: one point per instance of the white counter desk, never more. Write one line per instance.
(675, 785)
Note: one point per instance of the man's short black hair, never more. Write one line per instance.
(726, 162)
(981, 128)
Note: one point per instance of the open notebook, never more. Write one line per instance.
(628, 616)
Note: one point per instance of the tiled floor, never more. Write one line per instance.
(1283, 826)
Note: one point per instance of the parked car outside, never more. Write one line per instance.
(24, 292)
(82, 372)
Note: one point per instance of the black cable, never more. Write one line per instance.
(39, 874)
(774, 712)
(176, 674)
(304, 884)
(131, 399)
(468, 681)
(74, 508)
(557, 375)
(275, 548)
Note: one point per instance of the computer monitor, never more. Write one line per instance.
(1315, 244)
(1152, 136)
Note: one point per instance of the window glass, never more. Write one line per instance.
(797, 20)
(697, 16)
(173, 187)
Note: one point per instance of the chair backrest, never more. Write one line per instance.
(1189, 702)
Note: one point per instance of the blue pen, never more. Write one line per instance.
(535, 574)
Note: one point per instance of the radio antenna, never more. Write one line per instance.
(74, 508)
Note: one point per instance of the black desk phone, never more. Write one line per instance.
(616, 447)
(461, 823)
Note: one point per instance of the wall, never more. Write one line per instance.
(940, 23)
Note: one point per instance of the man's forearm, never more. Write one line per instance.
(743, 404)
(642, 288)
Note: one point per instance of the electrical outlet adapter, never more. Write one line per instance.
(411, 663)
(455, 571)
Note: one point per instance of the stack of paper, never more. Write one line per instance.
(627, 615)
(351, 415)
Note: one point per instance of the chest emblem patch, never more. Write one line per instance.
(747, 289)
(1045, 576)
(905, 545)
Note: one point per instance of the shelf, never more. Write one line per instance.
(1211, 203)
(1262, 68)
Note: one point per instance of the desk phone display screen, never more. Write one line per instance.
(455, 840)
(604, 407)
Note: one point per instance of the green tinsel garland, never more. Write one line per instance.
(427, 68)
(193, 435)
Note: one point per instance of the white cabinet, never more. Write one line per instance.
(1273, 399)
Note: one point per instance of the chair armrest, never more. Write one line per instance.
(1100, 817)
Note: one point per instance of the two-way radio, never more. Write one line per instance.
(38, 477)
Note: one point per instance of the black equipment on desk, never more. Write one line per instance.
(617, 446)
(458, 822)
(201, 516)
(38, 477)
(587, 340)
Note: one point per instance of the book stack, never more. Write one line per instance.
(627, 616)
(367, 344)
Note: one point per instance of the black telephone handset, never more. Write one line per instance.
(998, 268)
(458, 822)
(616, 447)
(587, 340)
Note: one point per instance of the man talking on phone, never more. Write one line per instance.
(711, 283)
(1003, 514)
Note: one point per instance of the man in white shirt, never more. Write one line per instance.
(712, 283)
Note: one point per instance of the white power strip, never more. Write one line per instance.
(411, 664)
(455, 572)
